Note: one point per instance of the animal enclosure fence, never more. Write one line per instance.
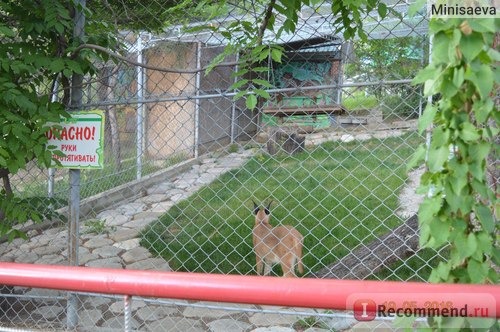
(184, 159)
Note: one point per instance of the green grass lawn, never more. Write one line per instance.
(359, 101)
(337, 195)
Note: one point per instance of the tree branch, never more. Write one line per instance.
(135, 63)
(265, 21)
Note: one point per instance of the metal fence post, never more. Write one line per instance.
(127, 309)
(197, 101)
(140, 107)
(233, 107)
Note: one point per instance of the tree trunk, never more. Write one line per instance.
(370, 258)
(115, 138)
(105, 92)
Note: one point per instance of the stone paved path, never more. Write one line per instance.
(117, 246)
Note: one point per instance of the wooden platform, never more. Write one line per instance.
(286, 111)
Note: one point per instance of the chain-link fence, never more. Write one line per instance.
(185, 161)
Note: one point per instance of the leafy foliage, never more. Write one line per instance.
(33, 208)
(247, 37)
(154, 15)
(461, 202)
(386, 59)
(389, 59)
(36, 49)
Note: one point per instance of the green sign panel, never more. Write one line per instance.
(81, 139)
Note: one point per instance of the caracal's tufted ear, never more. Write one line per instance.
(255, 208)
(267, 210)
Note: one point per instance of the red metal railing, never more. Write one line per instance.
(293, 292)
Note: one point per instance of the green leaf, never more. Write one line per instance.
(75, 66)
(478, 271)
(496, 255)
(382, 9)
(465, 245)
(471, 45)
(482, 109)
(57, 65)
(485, 216)
(458, 201)
(484, 242)
(427, 117)
(262, 93)
(417, 157)
(215, 61)
(263, 83)
(37, 150)
(242, 71)
(6, 31)
(276, 55)
(432, 87)
(443, 270)
(451, 324)
(479, 151)
(469, 132)
(440, 136)
(428, 209)
(458, 177)
(456, 36)
(448, 88)
(437, 157)
(477, 169)
(423, 75)
(483, 25)
(440, 231)
(238, 84)
(458, 76)
(482, 78)
(481, 323)
(493, 54)
(59, 28)
(239, 95)
(440, 49)
(424, 236)
(67, 72)
(416, 7)
(251, 101)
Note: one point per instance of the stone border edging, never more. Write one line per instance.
(99, 202)
(106, 199)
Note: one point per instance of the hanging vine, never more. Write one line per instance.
(461, 208)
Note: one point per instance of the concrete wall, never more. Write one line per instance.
(170, 124)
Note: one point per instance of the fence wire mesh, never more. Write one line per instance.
(185, 160)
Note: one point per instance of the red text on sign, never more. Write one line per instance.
(72, 133)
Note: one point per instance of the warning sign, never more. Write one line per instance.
(81, 139)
